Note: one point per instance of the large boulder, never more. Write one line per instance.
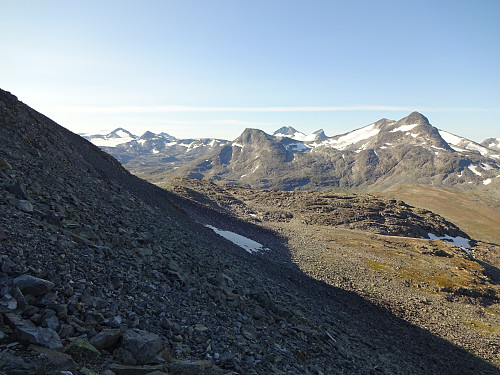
(33, 285)
(139, 347)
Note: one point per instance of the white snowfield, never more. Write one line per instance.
(454, 140)
(298, 136)
(474, 170)
(404, 128)
(298, 147)
(346, 140)
(245, 243)
(456, 241)
(110, 142)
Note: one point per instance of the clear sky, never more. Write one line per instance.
(212, 68)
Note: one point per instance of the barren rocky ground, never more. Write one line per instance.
(432, 284)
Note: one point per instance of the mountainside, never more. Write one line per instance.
(382, 154)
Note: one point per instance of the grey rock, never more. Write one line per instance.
(54, 360)
(139, 347)
(12, 365)
(18, 190)
(4, 165)
(25, 206)
(33, 285)
(27, 332)
(106, 339)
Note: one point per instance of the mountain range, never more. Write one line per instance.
(375, 157)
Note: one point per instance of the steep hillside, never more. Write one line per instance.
(103, 271)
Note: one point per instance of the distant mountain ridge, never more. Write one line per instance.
(376, 156)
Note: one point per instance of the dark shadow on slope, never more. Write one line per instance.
(354, 319)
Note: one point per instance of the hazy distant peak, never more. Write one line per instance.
(286, 131)
(120, 133)
(319, 135)
(148, 135)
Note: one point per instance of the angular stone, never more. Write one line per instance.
(10, 364)
(33, 285)
(139, 347)
(55, 360)
(4, 165)
(106, 339)
(18, 190)
(29, 333)
(25, 206)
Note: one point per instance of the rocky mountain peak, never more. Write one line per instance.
(415, 118)
(148, 135)
(320, 135)
(250, 135)
(285, 131)
(120, 133)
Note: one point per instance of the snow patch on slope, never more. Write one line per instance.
(456, 241)
(349, 139)
(404, 128)
(246, 243)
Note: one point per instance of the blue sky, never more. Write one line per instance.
(213, 68)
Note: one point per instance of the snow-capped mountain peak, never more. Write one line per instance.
(290, 132)
(112, 139)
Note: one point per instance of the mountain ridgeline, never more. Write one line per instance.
(383, 154)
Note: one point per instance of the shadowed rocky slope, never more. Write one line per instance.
(102, 271)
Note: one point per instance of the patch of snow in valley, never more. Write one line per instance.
(404, 128)
(487, 181)
(298, 136)
(245, 243)
(414, 135)
(298, 147)
(383, 147)
(155, 151)
(456, 241)
(473, 168)
(237, 145)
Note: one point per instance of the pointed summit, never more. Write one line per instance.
(319, 135)
(286, 131)
(415, 118)
(148, 135)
